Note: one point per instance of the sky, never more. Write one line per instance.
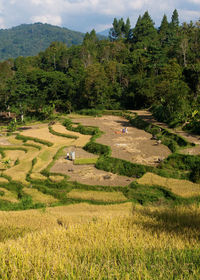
(84, 15)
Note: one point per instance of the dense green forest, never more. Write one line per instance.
(139, 67)
(29, 39)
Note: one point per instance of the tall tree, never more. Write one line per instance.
(175, 19)
(144, 32)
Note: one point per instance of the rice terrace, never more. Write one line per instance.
(120, 178)
(100, 142)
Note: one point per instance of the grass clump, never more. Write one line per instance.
(181, 162)
(52, 131)
(122, 167)
(80, 161)
(91, 112)
(32, 145)
(27, 138)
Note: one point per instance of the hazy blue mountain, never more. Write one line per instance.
(30, 39)
(104, 32)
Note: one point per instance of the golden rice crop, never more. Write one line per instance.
(3, 180)
(183, 188)
(146, 245)
(56, 178)
(9, 196)
(97, 195)
(38, 196)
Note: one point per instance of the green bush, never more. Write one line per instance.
(193, 126)
(17, 162)
(86, 130)
(91, 112)
(2, 193)
(12, 126)
(144, 194)
(122, 167)
(181, 162)
(61, 134)
(97, 148)
(195, 174)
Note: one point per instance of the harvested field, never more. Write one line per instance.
(44, 134)
(183, 188)
(88, 174)
(44, 156)
(14, 154)
(39, 197)
(191, 151)
(97, 196)
(135, 146)
(18, 172)
(4, 141)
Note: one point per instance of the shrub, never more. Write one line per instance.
(195, 174)
(61, 134)
(97, 148)
(12, 126)
(2, 193)
(91, 112)
(26, 138)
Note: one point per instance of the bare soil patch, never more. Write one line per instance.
(191, 151)
(135, 146)
(4, 141)
(88, 174)
(79, 153)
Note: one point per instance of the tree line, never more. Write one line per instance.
(139, 67)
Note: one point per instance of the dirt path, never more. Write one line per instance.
(147, 116)
(192, 138)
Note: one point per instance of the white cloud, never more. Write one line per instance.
(195, 1)
(2, 24)
(51, 19)
(84, 15)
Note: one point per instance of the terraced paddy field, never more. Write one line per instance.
(38, 153)
(124, 208)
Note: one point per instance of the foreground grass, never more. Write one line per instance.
(150, 244)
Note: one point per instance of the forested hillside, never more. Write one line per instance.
(137, 67)
(29, 39)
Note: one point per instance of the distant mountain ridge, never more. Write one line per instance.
(30, 39)
(104, 32)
